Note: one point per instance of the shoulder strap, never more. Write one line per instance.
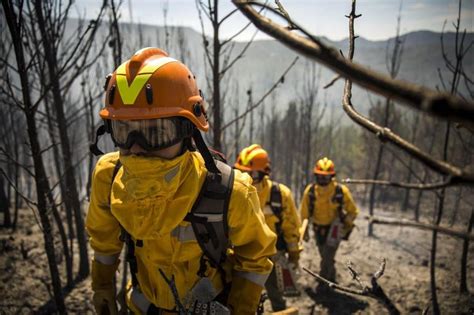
(312, 201)
(276, 200)
(339, 199)
(114, 174)
(277, 208)
(208, 216)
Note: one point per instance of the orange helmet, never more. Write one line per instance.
(253, 158)
(152, 85)
(324, 167)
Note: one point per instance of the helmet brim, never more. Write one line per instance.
(134, 113)
(319, 172)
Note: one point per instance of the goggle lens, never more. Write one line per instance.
(148, 133)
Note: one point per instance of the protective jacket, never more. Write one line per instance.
(149, 198)
(325, 205)
(290, 221)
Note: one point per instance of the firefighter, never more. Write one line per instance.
(325, 203)
(196, 239)
(280, 213)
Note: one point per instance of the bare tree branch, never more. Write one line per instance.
(331, 83)
(419, 225)
(443, 105)
(373, 291)
(420, 186)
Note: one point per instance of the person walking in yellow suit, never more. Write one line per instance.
(323, 202)
(195, 236)
(280, 212)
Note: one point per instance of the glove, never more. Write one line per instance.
(244, 296)
(294, 257)
(103, 287)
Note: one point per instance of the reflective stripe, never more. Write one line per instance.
(139, 300)
(129, 93)
(267, 209)
(211, 217)
(184, 233)
(106, 259)
(254, 277)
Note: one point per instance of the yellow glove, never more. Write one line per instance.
(104, 288)
(293, 256)
(244, 296)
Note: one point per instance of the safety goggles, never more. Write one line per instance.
(257, 176)
(323, 180)
(150, 134)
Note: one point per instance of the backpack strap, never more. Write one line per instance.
(208, 215)
(208, 218)
(339, 199)
(277, 207)
(312, 201)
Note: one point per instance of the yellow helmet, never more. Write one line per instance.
(324, 166)
(151, 85)
(253, 158)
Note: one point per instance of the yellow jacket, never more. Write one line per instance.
(325, 209)
(152, 207)
(291, 221)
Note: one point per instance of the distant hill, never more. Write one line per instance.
(265, 60)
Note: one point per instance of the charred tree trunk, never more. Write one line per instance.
(465, 250)
(236, 131)
(378, 163)
(62, 186)
(439, 215)
(406, 197)
(4, 204)
(216, 92)
(72, 197)
(40, 174)
(63, 236)
(457, 204)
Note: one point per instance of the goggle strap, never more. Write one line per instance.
(93, 148)
(204, 150)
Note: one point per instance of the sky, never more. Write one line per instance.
(320, 17)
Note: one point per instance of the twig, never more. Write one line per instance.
(333, 285)
(331, 83)
(291, 25)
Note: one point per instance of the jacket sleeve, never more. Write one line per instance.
(291, 221)
(101, 225)
(349, 205)
(252, 240)
(304, 211)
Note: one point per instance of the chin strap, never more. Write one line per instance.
(204, 150)
(93, 147)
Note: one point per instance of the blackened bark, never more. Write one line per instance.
(216, 93)
(465, 250)
(71, 198)
(40, 174)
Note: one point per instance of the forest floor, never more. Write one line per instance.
(25, 287)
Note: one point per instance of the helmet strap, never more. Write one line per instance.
(94, 149)
(204, 150)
